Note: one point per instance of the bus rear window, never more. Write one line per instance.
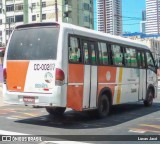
(34, 44)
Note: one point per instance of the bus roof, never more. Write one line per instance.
(89, 32)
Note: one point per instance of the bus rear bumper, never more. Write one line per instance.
(34, 99)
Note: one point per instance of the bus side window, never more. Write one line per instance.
(103, 53)
(74, 50)
(117, 55)
(86, 53)
(131, 57)
(140, 59)
(150, 61)
(93, 54)
(127, 58)
(143, 60)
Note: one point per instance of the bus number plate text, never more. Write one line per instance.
(29, 99)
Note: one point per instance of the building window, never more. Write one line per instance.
(43, 4)
(0, 21)
(19, 18)
(33, 5)
(86, 18)
(10, 19)
(86, 6)
(8, 32)
(43, 16)
(9, 8)
(0, 10)
(33, 17)
(66, 2)
(19, 7)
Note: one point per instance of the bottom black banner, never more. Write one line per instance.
(37, 138)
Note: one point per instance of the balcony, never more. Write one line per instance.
(67, 8)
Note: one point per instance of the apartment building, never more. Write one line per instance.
(109, 16)
(152, 17)
(15, 12)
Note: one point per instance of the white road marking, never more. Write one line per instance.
(11, 118)
(3, 132)
(137, 131)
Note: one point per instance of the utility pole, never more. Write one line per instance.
(56, 10)
(104, 10)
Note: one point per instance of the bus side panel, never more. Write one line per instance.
(130, 82)
(107, 78)
(75, 86)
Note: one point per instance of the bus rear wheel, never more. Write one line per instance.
(103, 106)
(149, 98)
(56, 111)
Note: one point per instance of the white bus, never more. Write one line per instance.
(61, 66)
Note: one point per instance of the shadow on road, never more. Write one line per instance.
(87, 120)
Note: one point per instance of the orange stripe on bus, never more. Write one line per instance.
(16, 75)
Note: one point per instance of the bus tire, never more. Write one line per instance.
(103, 106)
(56, 111)
(149, 98)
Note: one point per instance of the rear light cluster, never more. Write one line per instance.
(4, 75)
(59, 77)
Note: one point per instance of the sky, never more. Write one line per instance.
(131, 14)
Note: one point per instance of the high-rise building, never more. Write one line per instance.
(143, 15)
(109, 15)
(152, 17)
(15, 12)
(143, 22)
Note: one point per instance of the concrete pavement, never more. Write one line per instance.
(1, 97)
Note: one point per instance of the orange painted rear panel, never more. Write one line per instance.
(16, 74)
(75, 93)
(76, 73)
(75, 97)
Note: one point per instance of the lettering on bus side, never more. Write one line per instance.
(44, 67)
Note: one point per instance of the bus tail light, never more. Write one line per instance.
(59, 77)
(4, 75)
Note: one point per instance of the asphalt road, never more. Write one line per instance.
(127, 119)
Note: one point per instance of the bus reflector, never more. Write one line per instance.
(4, 75)
(59, 77)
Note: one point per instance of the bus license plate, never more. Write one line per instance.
(29, 99)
